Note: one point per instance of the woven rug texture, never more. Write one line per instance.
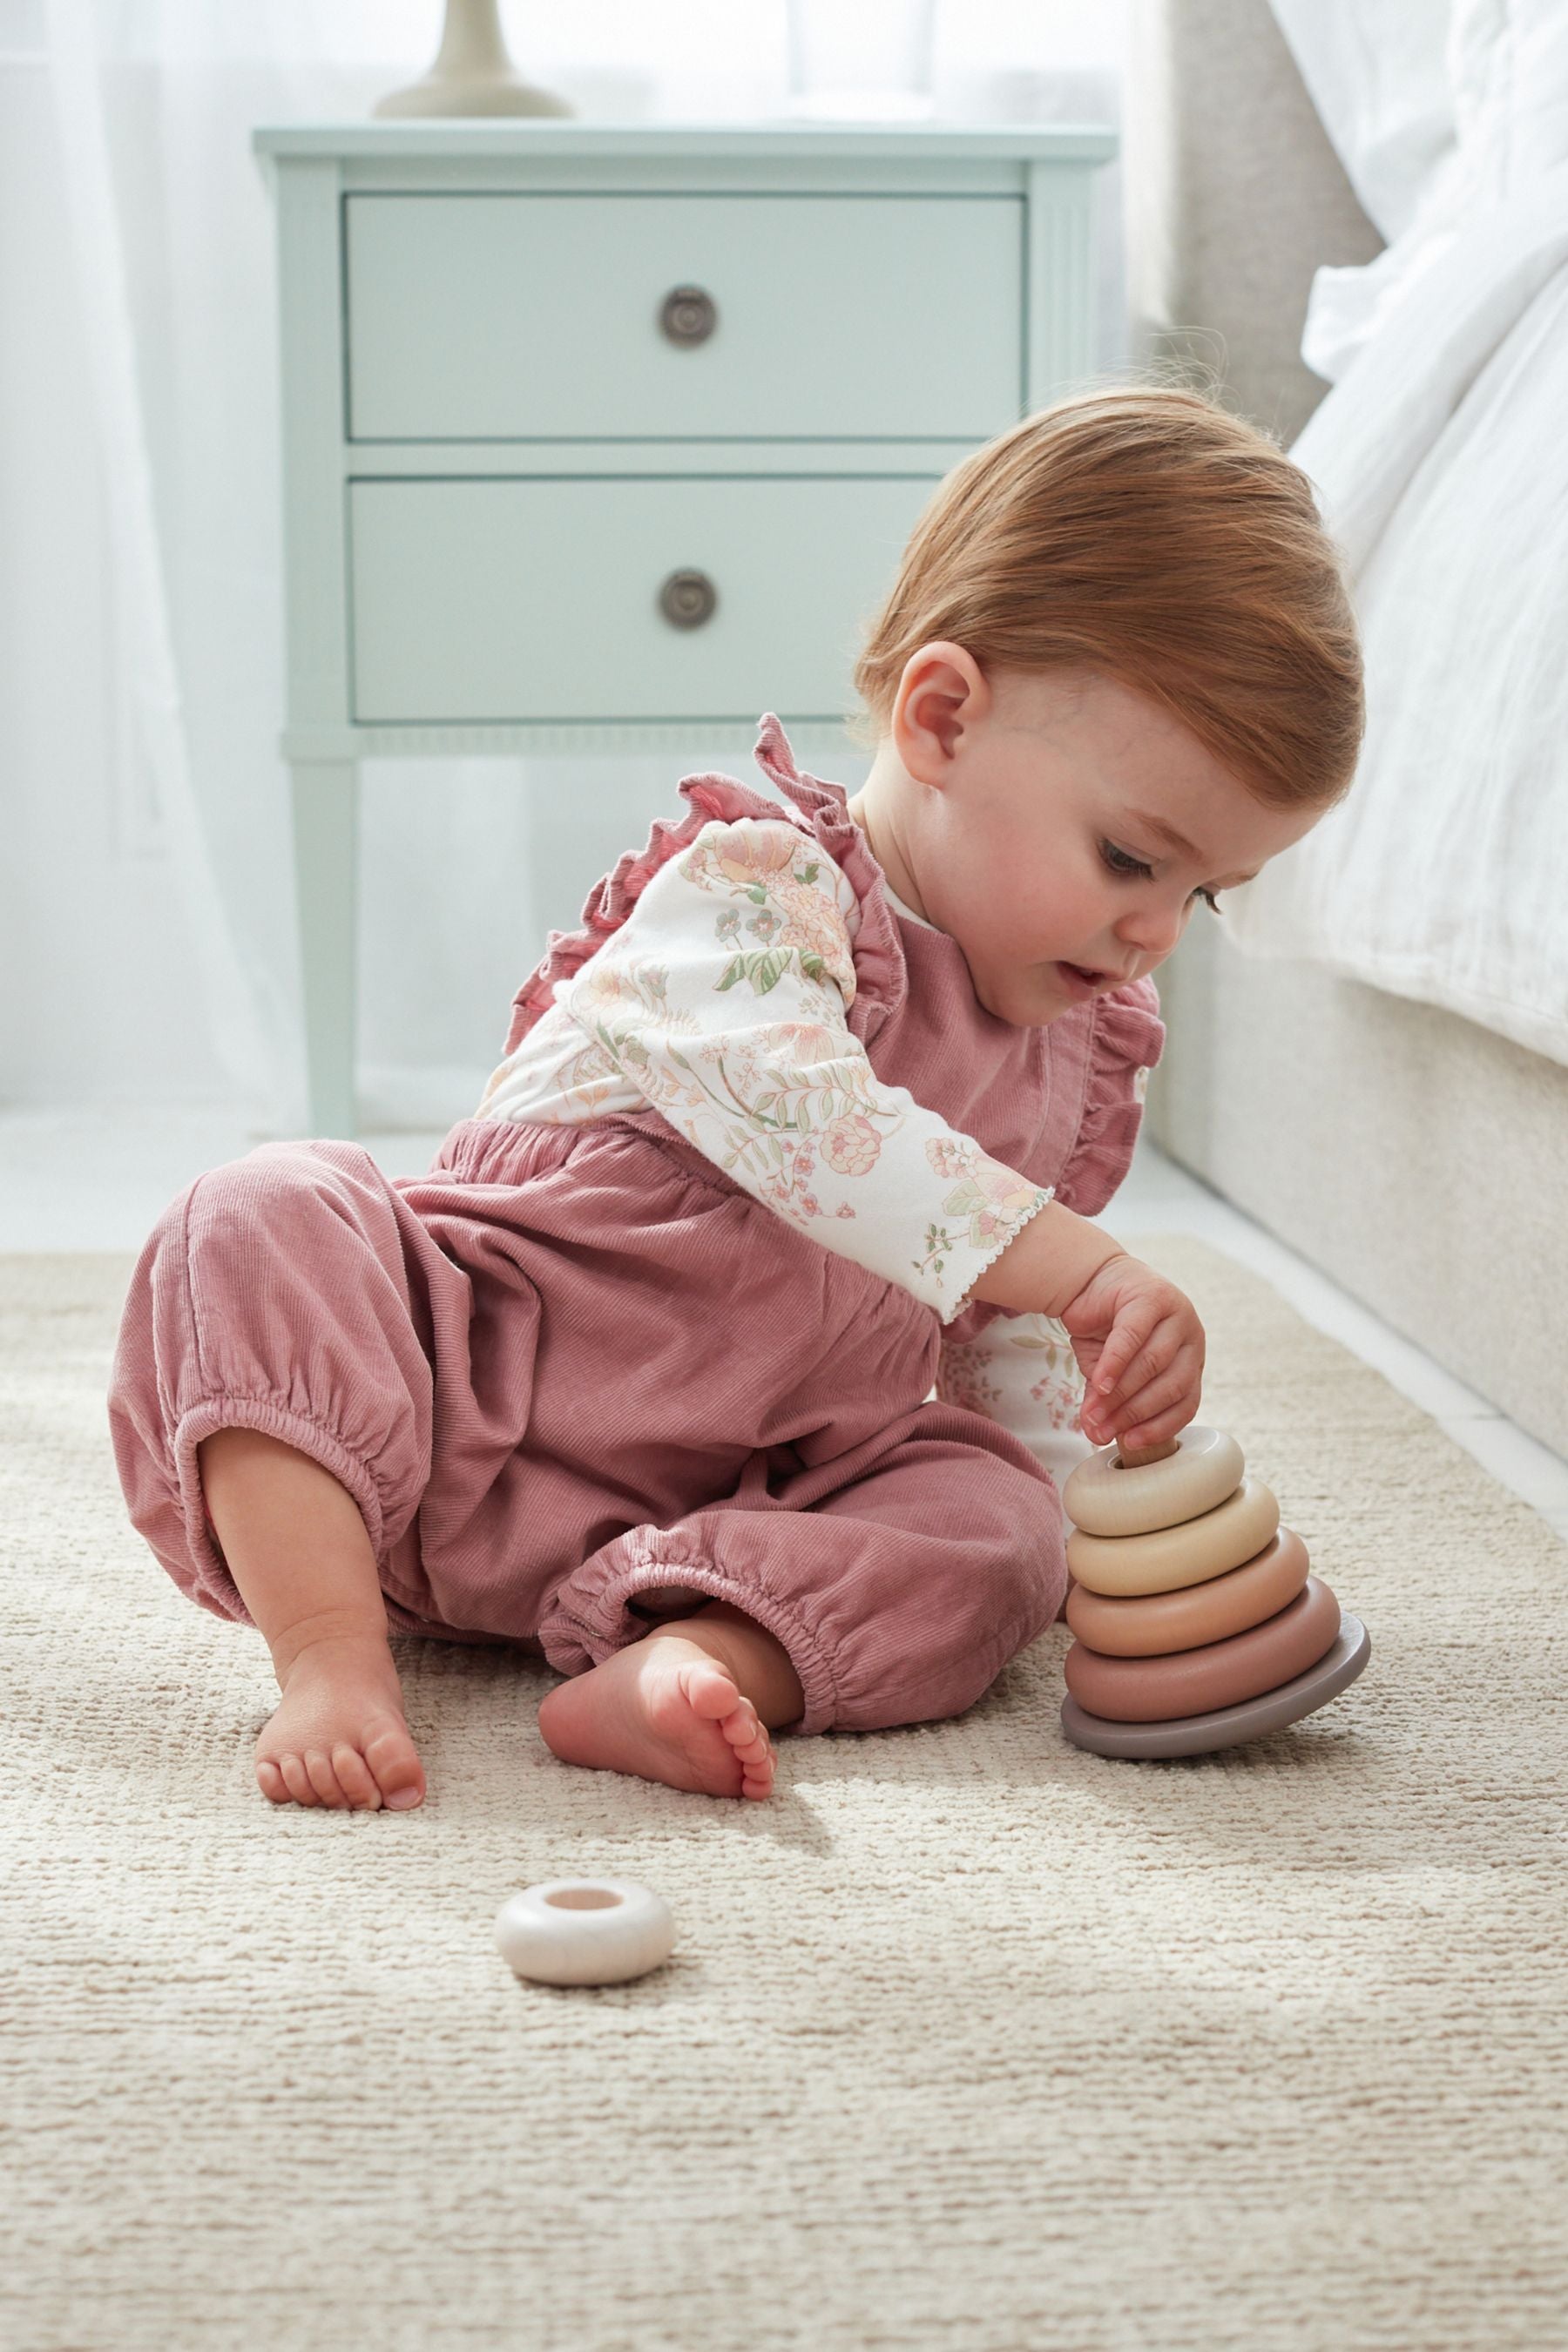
(970, 2040)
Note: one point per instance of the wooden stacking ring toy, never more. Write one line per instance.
(1148, 1626)
(1227, 1727)
(1194, 1681)
(1234, 1530)
(1194, 1633)
(585, 1931)
(1105, 1498)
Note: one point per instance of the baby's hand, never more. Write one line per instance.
(1140, 1345)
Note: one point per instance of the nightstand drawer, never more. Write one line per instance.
(479, 317)
(541, 600)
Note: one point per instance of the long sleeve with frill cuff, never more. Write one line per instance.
(721, 1002)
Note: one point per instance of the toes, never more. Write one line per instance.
(394, 1764)
(355, 1778)
(344, 1780)
(324, 1780)
(757, 1756)
(710, 1689)
(746, 1732)
(298, 1781)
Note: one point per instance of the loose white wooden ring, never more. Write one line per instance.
(1171, 1557)
(576, 1931)
(1105, 1498)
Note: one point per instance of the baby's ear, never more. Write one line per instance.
(942, 695)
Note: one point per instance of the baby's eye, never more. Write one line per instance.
(1121, 861)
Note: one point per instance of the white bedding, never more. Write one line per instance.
(1441, 459)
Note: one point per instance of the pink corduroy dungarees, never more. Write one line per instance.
(573, 1364)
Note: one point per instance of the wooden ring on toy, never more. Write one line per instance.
(582, 1931)
(1151, 1624)
(1227, 1727)
(1188, 1554)
(1222, 1673)
(1106, 1498)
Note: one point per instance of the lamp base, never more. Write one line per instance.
(437, 94)
(473, 73)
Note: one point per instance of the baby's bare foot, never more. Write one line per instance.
(666, 1709)
(338, 1736)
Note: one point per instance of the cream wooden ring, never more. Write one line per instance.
(577, 1931)
(1171, 1557)
(1151, 1624)
(1105, 1498)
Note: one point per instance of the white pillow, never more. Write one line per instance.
(1378, 75)
(1505, 65)
(1508, 71)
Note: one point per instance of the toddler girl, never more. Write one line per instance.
(807, 1120)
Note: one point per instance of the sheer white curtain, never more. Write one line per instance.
(147, 931)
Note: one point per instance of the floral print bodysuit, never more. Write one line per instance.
(721, 1003)
(722, 980)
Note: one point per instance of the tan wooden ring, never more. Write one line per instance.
(1151, 1624)
(1222, 1673)
(1190, 1554)
(1106, 1498)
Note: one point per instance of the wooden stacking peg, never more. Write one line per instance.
(1133, 1457)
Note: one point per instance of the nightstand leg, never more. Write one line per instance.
(326, 813)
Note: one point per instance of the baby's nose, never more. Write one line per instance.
(1151, 932)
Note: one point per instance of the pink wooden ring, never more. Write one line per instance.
(1188, 1554)
(1222, 1673)
(1151, 1625)
(1106, 1498)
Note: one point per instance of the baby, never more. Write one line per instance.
(808, 1122)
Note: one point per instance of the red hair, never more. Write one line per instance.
(1152, 536)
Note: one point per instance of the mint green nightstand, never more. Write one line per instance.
(596, 437)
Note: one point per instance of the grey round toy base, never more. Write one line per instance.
(1194, 1735)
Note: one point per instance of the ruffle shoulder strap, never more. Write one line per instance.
(1128, 1040)
(881, 976)
(818, 808)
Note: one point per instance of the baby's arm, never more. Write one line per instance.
(1044, 1268)
(1136, 1334)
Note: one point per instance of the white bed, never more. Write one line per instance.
(1369, 1051)
(1442, 464)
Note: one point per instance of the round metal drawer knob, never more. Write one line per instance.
(687, 599)
(690, 314)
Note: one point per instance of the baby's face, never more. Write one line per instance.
(1023, 812)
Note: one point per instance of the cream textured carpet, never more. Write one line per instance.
(970, 2040)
